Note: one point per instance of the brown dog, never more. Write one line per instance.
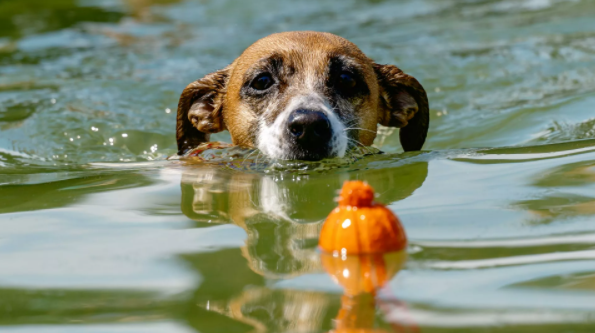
(303, 95)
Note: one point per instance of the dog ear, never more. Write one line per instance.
(200, 110)
(404, 104)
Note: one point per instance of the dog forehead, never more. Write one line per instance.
(299, 48)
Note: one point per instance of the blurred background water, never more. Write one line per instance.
(99, 233)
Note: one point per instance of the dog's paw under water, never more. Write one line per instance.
(251, 159)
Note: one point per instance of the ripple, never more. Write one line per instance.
(478, 319)
(511, 242)
(512, 261)
(563, 131)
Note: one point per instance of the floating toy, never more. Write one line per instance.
(361, 226)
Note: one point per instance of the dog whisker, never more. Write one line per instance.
(356, 141)
(247, 158)
(257, 157)
(358, 128)
(365, 148)
(351, 123)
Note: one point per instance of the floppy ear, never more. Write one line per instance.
(200, 110)
(404, 104)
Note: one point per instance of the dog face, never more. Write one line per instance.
(303, 95)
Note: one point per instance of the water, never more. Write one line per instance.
(100, 233)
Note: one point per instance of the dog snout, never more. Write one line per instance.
(309, 128)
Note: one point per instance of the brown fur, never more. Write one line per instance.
(215, 103)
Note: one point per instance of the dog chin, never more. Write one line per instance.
(310, 155)
(284, 150)
(272, 142)
(276, 152)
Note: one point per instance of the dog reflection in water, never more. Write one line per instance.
(282, 216)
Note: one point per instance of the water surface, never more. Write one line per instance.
(99, 233)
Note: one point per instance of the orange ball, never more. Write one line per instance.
(359, 226)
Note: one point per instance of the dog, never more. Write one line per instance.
(303, 95)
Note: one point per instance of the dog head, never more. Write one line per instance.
(303, 95)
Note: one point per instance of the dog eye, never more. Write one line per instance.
(262, 82)
(346, 81)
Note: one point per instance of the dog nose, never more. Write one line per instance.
(309, 128)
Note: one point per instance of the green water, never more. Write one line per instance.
(99, 233)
